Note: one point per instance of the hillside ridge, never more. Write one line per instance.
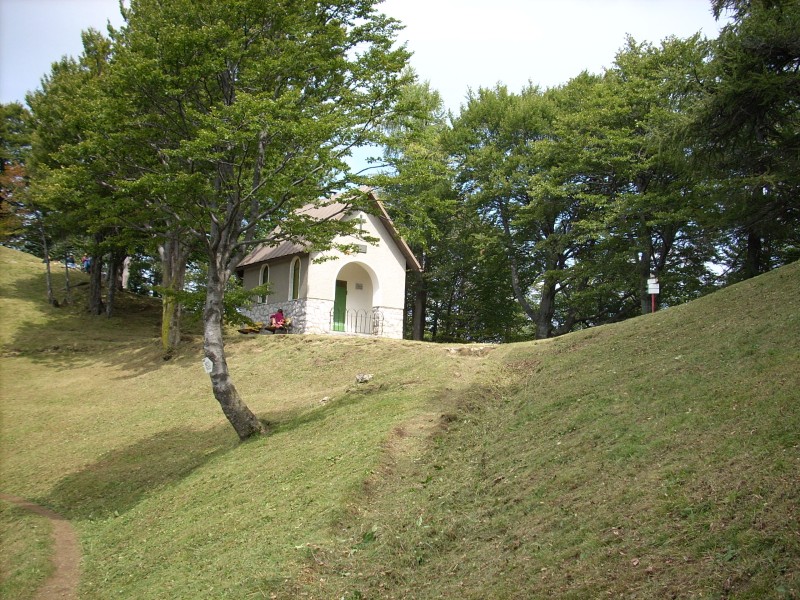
(655, 457)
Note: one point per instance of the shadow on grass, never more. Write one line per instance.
(68, 337)
(117, 482)
(121, 478)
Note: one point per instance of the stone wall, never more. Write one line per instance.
(314, 316)
(308, 316)
(317, 315)
(392, 322)
(291, 308)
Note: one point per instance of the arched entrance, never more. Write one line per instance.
(353, 306)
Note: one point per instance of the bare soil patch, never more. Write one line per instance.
(63, 584)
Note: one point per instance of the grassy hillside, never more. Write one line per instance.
(654, 458)
(659, 457)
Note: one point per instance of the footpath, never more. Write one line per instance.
(63, 583)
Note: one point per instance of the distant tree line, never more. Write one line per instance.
(540, 212)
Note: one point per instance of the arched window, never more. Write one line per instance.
(263, 278)
(294, 280)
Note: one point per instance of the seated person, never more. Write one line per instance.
(276, 320)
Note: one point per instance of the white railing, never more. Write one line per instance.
(367, 322)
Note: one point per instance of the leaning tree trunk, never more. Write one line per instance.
(221, 241)
(240, 416)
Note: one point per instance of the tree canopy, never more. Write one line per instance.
(678, 162)
(207, 124)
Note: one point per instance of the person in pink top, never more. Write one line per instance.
(276, 320)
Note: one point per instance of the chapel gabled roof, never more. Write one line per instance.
(262, 254)
(331, 211)
(412, 261)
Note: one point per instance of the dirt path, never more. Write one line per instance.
(63, 584)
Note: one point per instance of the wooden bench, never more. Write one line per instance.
(259, 327)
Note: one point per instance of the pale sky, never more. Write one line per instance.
(457, 44)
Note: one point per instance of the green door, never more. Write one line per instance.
(340, 305)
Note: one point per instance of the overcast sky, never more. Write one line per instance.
(458, 44)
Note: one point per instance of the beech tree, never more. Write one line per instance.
(15, 133)
(71, 174)
(415, 180)
(241, 112)
(630, 168)
(586, 187)
(495, 141)
(746, 136)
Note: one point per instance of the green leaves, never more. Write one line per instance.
(746, 134)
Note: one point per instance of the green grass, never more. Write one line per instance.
(654, 458)
(25, 559)
(658, 457)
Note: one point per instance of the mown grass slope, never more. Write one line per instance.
(658, 457)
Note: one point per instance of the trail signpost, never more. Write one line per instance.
(653, 289)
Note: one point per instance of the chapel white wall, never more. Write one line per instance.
(381, 271)
(387, 263)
